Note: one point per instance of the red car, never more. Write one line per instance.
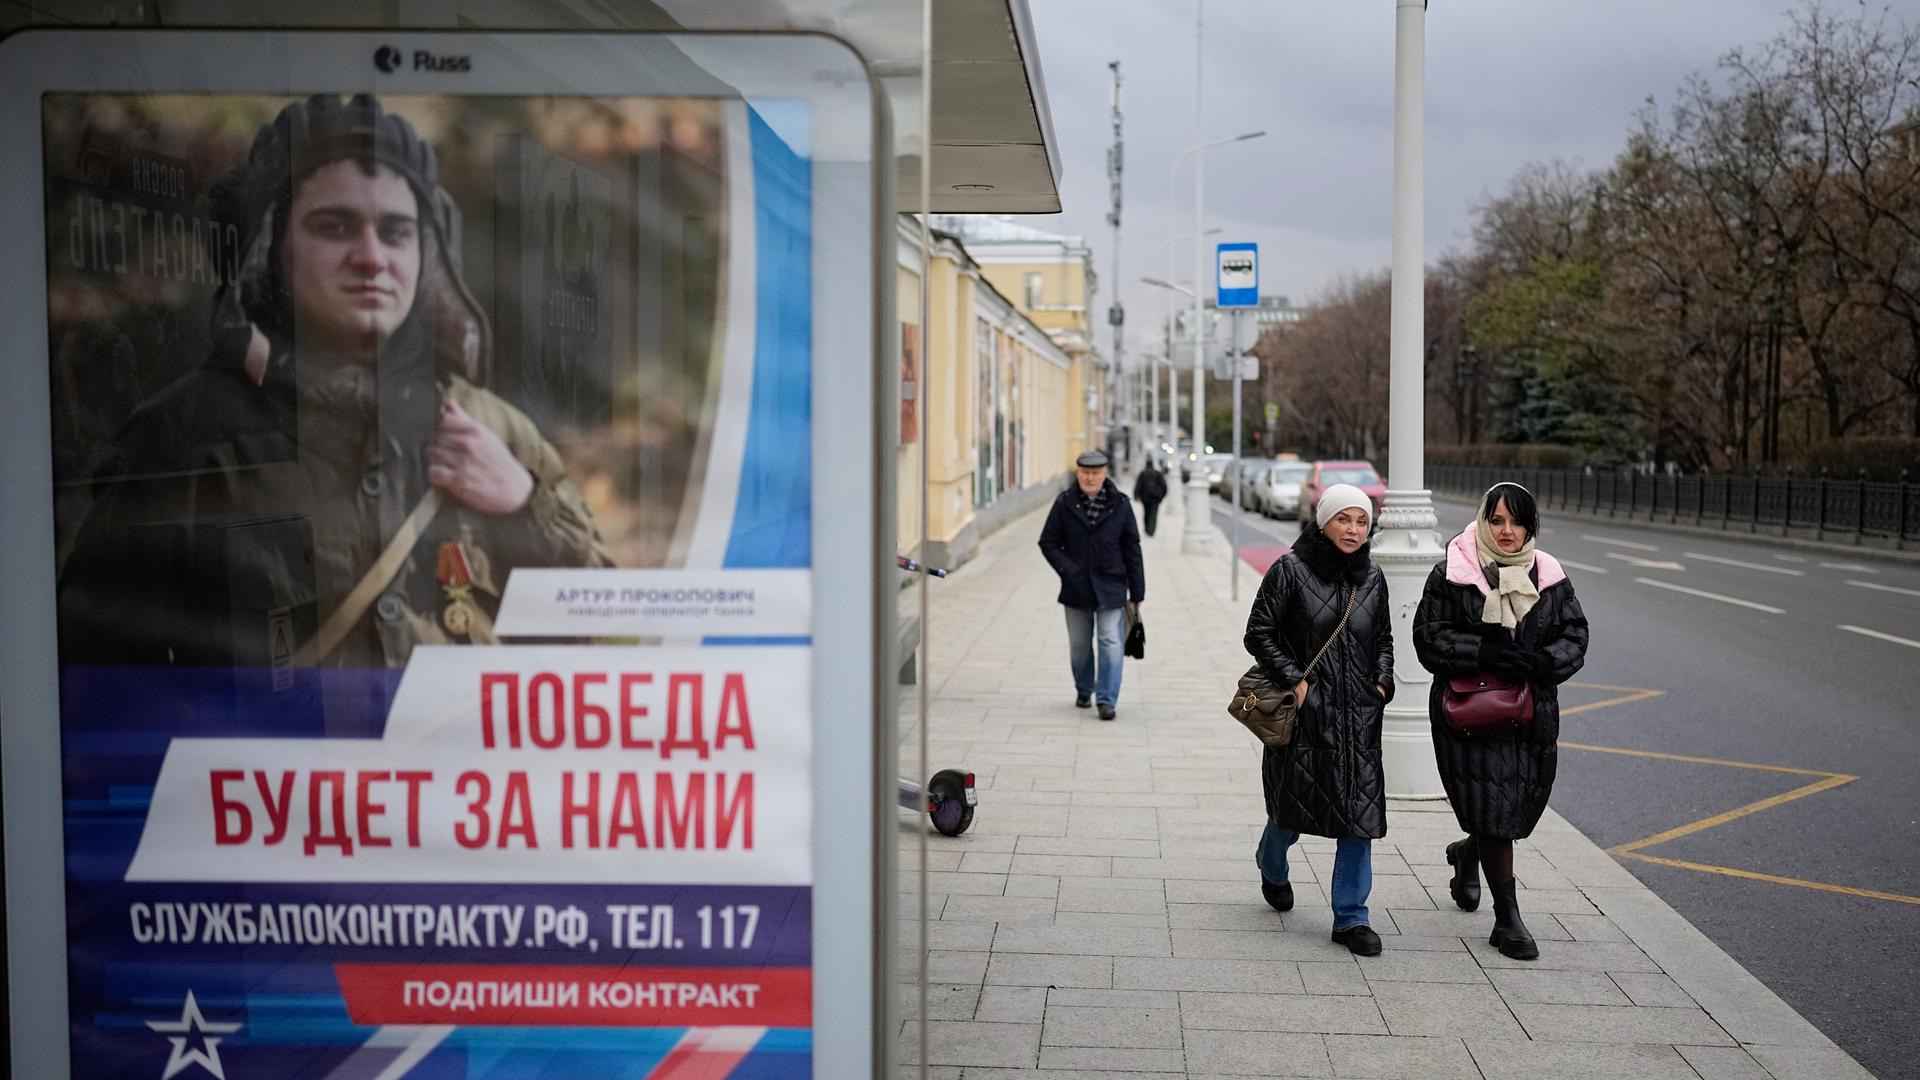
(1325, 474)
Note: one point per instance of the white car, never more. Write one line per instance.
(1280, 488)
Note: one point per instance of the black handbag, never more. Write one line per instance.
(1136, 646)
(1269, 711)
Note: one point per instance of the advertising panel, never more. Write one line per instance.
(433, 522)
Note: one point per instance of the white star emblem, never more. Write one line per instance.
(190, 1023)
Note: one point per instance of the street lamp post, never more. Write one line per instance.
(1408, 543)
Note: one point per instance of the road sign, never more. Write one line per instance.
(1239, 276)
(1273, 412)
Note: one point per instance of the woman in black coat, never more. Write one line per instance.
(1498, 604)
(1327, 781)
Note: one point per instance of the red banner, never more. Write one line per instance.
(566, 995)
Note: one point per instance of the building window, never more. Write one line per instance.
(1034, 292)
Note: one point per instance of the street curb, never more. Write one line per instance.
(1822, 547)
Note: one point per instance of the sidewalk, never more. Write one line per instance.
(1102, 919)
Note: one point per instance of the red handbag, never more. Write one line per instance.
(1486, 704)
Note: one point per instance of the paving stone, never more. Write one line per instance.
(1146, 1062)
(1445, 1009)
(1189, 869)
(1097, 898)
(1519, 1058)
(1032, 885)
(1280, 1012)
(981, 862)
(1342, 978)
(1400, 1057)
(1245, 891)
(1109, 918)
(1114, 999)
(1723, 1063)
(957, 967)
(1071, 845)
(1253, 945)
(1589, 927)
(1082, 941)
(956, 884)
(971, 1042)
(945, 1001)
(1153, 973)
(1131, 884)
(1005, 910)
(1117, 1027)
(1012, 1004)
(1032, 969)
(1400, 891)
(945, 936)
(1569, 956)
(1650, 988)
(1257, 1053)
(1063, 865)
(1448, 921)
(1614, 1024)
(1223, 917)
(1402, 965)
(1525, 986)
(1086, 821)
(1808, 1063)
(1543, 901)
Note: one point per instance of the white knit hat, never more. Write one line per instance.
(1341, 497)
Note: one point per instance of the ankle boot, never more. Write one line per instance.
(1510, 935)
(1464, 857)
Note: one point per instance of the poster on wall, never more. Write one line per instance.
(436, 640)
(909, 384)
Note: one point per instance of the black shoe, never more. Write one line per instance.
(1510, 935)
(1464, 857)
(1106, 712)
(1279, 897)
(1083, 701)
(1360, 940)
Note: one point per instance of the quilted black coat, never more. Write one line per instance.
(1498, 785)
(1098, 562)
(1327, 781)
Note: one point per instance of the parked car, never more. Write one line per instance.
(1249, 471)
(1279, 488)
(1325, 474)
(1217, 469)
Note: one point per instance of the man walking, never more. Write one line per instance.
(1091, 542)
(1150, 487)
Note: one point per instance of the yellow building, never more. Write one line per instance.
(987, 393)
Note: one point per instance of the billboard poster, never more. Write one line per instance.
(433, 499)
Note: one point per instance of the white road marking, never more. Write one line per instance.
(1793, 558)
(1848, 566)
(1885, 588)
(1704, 595)
(1909, 642)
(1645, 564)
(1745, 565)
(1618, 543)
(1583, 566)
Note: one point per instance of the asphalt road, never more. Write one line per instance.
(1770, 659)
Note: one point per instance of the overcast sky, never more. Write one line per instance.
(1508, 82)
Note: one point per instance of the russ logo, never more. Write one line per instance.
(386, 58)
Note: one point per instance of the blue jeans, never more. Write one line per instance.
(1102, 682)
(1352, 871)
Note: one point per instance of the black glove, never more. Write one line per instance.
(1490, 647)
(1514, 662)
(1542, 668)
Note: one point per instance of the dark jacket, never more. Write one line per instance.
(1098, 562)
(1499, 786)
(1327, 781)
(1150, 486)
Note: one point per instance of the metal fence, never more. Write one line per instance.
(1829, 508)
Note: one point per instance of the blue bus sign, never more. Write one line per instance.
(1239, 276)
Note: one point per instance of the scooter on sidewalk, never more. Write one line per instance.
(949, 797)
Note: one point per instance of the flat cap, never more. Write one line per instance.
(1091, 459)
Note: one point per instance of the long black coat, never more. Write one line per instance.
(1099, 563)
(1327, 781)
(1498, 785)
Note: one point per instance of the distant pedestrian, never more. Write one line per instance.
(1150, 487)
(1091, 542)
(1498, 604)
(1327, 781)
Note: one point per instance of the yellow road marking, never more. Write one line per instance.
(1633, 849)
(1728, 871)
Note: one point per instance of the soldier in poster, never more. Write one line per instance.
(332, 481)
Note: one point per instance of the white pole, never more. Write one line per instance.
(1198, 535)
(1233, 546)
(1408, 543)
